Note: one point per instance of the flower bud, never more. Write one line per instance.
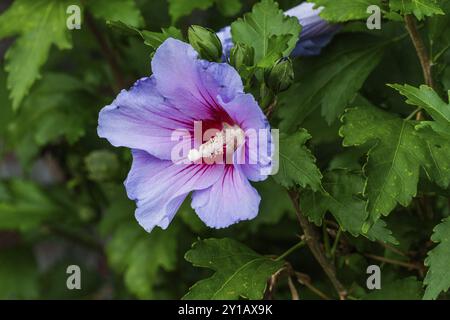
(206, 43)
(280, 77)
(102, 165)
(242, 55)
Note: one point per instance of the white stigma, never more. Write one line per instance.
(230, 137)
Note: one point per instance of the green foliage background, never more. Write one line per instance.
(365, 164)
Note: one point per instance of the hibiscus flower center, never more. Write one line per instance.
(224, 141)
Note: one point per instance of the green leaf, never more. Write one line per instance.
(19, 276)
(426, 98)
(151, 38)
(57, 99)
(437, 140)
(135, 253)
(25, 206)
(402, 289)
(297, 165)
(240, 272)
(394, 160)
(43, 25)
(229, 7)
(420, 8)
(179, 8)
(330, 81)
(258, 28)
(343, 199)
(117, 10)
(345, 10)
(438, 262)
(439, 29)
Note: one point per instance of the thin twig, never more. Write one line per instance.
(408, 265)
(312, 240)
(393, 249)
(290, 250)
(107, 52)
(304, 279)
(293, 289)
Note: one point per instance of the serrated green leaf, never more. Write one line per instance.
(420, 8)
(180, 8)
(26, 206)
(117, 10)
(394, 160)
(345, 10)
(343, 199)
(240, 272)
(297, 165)
(229, 7)
(256, 29)
(44, 25)
(437, 140)
(330, 81)
(426, 98)
(57, 99)
(438, 261)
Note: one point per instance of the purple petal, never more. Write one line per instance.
(244, 110)
(231, 199)
(142, 119)
(160, 186)
(316, 32)
(192, 85)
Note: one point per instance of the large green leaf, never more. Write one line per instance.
(330, 81)
(297, 165)
(345, 10)
(437, 140)
(426, 98)
(57, 99)
(438, 261)
(394, 161)
(117, 10)
(24, 206)
(240, 272)
(265, 29)
(43, 24)
(343, 198)
(420, 8)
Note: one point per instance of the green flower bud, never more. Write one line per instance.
(86, 214)
(102, 165)
(242, 55)
(280, 77)
(206, 43)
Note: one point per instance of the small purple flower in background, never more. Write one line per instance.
(182, 90)
(316, 33)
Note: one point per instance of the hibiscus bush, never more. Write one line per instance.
(351, 201)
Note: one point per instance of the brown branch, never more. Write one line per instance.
(293, 289)
(304, 279)
(312, 240)
(408, 265)
(421, 49)
(107, 53)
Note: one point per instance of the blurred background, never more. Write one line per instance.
(62, 201)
